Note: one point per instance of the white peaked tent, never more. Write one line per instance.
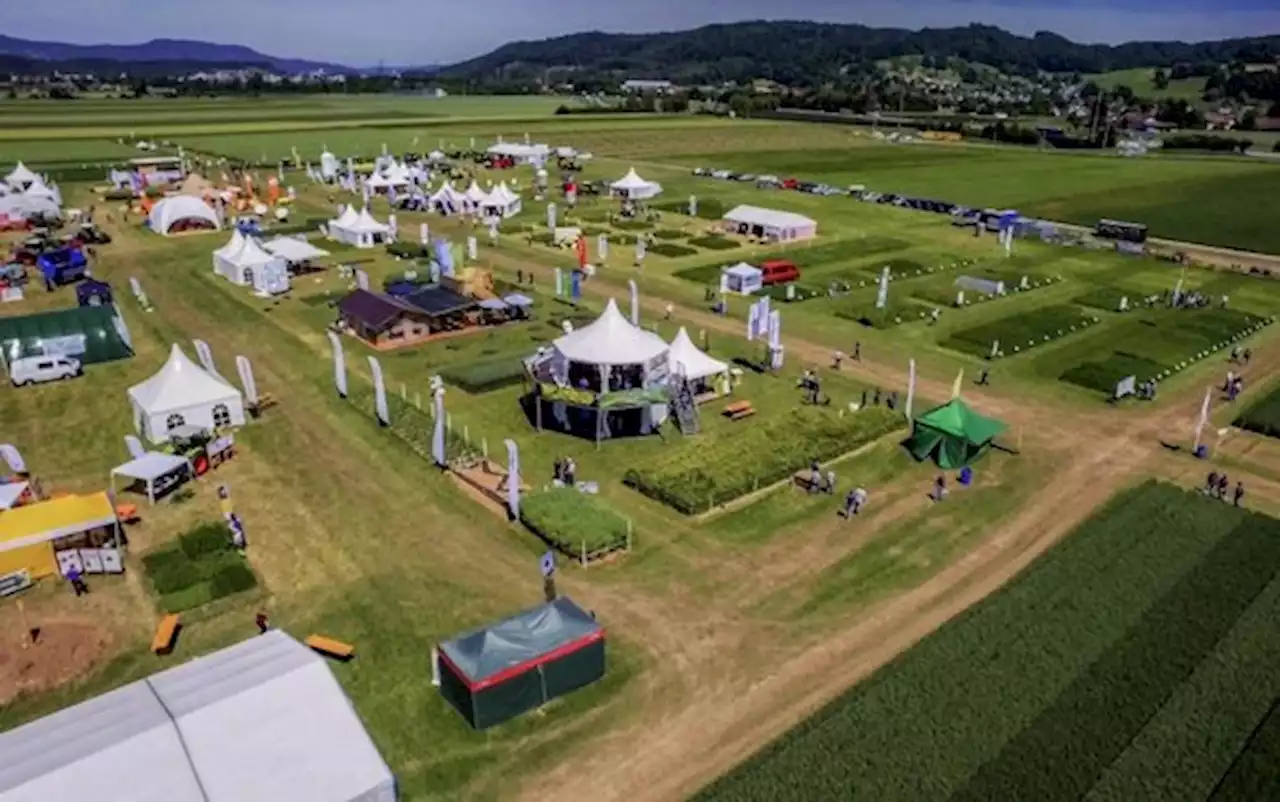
(172, 210)
(610, 340)
(358, 229)
(691, 362)
(183, 394)
(501, 202)
(224, 255)
(20, 177)
(436, 156)
(253, 266)
(475, 195)
(294, 250)
(347, 218)
(446, 198)
(39, 189)
(633, 187)
(262, 721)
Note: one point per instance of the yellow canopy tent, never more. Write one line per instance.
(29, 535)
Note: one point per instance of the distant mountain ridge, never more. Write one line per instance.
(796, 52)
(171, 51)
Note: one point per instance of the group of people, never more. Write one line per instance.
(1216, 484)
(1241, 356)
(566, 471)
(1146, 390)
(812, 387)
(1233, 386)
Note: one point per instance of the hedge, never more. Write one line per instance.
(671, 250)
(708, 474)
(714, 242)
(571, 520)
(485, 376)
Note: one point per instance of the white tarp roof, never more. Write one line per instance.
(20, 175)
(446, 193)
(475, 194)
(251, 255)
(610, 339)
(743, 270)
(294, 250)
(39, 189)
(180, 384)
(500, 196)
(365, 224)
(631, 181)
(10, 492)
(690, 361)
(232, 248)
(347, 218)
(262, 721)
(150, 466)
(768, 218)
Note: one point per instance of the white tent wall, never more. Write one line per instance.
(183, 393)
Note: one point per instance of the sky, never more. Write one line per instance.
(414, 32)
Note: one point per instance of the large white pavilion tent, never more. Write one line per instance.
(183, 394)
(261, 721)
(169, 212)
(770, 224)
(632, 187)
(610, 340)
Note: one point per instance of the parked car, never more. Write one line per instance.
(39, 369)
(703, 171)
(721, 174)
(790, 183)
(745, 177)
(778, 271)
(768, 183)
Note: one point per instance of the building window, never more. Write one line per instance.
(221, 416)
(174, 421)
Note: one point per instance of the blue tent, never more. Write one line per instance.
(92, 292)
(63, 266)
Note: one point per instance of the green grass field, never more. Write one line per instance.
(1140, 80)
(1112, 669)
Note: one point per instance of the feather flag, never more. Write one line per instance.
(955, 388)
(581, 246)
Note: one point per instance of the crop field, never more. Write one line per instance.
(1115, 668)
(1021, 332)
(1263, 415)
(1141, 81)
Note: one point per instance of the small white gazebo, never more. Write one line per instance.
(359, 229)
(226, 253)
(632, 187)
(501, 202)
(690, 362)
(184, 394)
(742, 278)
(253, 266)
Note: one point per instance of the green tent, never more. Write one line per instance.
(499, 671)
(952, 435)
(91, 334)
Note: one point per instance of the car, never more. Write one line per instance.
(28, 370)
(778, 271)
(721, 174)
(745, 177)
(768, 183)
(790, 183)
(703, 171)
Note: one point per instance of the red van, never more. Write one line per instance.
(779, 271)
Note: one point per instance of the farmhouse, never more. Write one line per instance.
(182, 393)
(395, 321)
(264, 720)
(501, 670)
(769, 224)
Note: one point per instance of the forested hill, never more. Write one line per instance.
(802, 52)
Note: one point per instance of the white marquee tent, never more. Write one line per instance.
(610, 340)
(253, 266)
(183, 394)
(294, 250)
(691, 362)
(522, 154)
(262, 721)
(475, 195)
(633, 187)
(172, 210)
(39, 189)
(20, 177)
(770, 223)
(741, 278)
(501, 202)
(227, 252)
(359, 229)
(446, 199)
(19, 205)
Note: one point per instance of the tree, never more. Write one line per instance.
(1248, 121)
(740, 104)
(1160, 79)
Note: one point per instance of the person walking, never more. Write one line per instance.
(939, 488)
(984, 378)
(668, 312)
(1211, 483)
(836, 359)
(1223, 482)
(76, 578)
(857, 351)
(262, 622)
(1238, 494)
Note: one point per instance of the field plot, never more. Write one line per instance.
(1263, 415)
(1133, 661)
(1017, 333)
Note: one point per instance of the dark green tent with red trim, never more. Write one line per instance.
(496, 672)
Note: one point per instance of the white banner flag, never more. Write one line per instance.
(753, 321)
(362, 279)
(641, 249)
(635, 302)
(762, 321)
(602, 247)
(473, 249)
(693, 206)
(559, 282)
(246, 379)
(1204, 417)
(775, 329)
(551, 216)
(882, 293)
(339, 364)
(424, 234)
(379, 392)
(437, 434)
(513, 479)
(13, 458)
(911, 386)
(205, 354)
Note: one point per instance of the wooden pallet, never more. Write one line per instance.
(330, 647)
(166, 633)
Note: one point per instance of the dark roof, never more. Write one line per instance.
(439, 301)
(373, 309)
(491, 654)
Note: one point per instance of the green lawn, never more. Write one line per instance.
(1141, 81)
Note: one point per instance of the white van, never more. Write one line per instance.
(36, 369)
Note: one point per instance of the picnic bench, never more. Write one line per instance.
(166, 632)
(739, 410)
(331, 647)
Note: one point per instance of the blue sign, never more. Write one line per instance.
(575, 285)
(548, 564)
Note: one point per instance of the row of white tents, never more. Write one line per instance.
(263, 266)
(25, 194)
(500, 201)
(358, 229)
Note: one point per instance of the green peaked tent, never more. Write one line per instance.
(952, 435)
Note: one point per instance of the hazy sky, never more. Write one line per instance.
(445, 31)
